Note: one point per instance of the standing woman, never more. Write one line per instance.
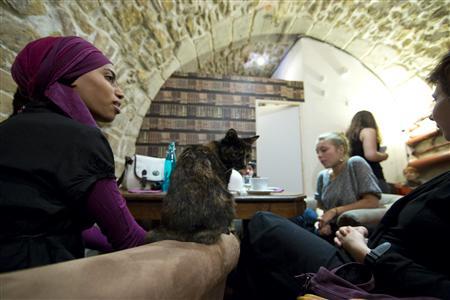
(56, 167)
(364, 138)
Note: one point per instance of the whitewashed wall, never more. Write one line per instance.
(337, 86)
(278, 148)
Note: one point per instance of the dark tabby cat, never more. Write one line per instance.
(198, 206)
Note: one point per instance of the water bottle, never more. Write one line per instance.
(169, 165)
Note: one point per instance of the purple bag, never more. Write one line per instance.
(350, 280)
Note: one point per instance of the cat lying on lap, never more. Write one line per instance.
(198, 206)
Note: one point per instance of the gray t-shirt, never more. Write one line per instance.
(355, 180)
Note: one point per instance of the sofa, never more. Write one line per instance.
(163, 270)
(364, 216)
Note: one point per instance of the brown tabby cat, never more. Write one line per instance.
(198, 206)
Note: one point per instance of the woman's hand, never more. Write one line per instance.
(324, 227)
(325, 230)
(327, 217)
(353, 240)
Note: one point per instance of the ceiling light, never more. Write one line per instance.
(260, 61)
(257, 60)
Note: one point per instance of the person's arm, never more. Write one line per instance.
(319, 187)
(366, 201)
(94, 239)
(107, 207)
(323, 226)
(368, 137)
(393, 270)
(365, 186)
(410, 278)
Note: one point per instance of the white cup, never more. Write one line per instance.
(236, 182)
(259, 183)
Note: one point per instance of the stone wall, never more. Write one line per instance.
(149, 40)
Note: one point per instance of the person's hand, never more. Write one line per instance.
(327, 217)
(363, 230)
(325, 230)
(349, 235)
(353, 240)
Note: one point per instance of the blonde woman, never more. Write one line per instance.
(345, 184)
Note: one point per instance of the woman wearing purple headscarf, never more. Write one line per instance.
(56, 167)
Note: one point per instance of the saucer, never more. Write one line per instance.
(266, 191)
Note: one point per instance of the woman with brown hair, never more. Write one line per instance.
(364, 137)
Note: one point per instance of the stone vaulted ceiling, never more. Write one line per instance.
(149, 40)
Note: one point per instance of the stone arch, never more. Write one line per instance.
(151, 40)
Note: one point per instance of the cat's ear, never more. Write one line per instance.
(231, 135)
(251, 140)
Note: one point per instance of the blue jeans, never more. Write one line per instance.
(306, 220)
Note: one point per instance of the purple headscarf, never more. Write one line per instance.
(42, 66)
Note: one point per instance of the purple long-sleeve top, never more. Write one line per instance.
(117, 229)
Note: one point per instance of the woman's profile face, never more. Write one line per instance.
(99, 91)
(441, 110)
(328, 154)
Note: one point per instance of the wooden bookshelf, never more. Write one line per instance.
(195, 109)
(431, 160)
(417, 139)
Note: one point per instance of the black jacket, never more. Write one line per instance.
(418, 227)
(48, 162)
